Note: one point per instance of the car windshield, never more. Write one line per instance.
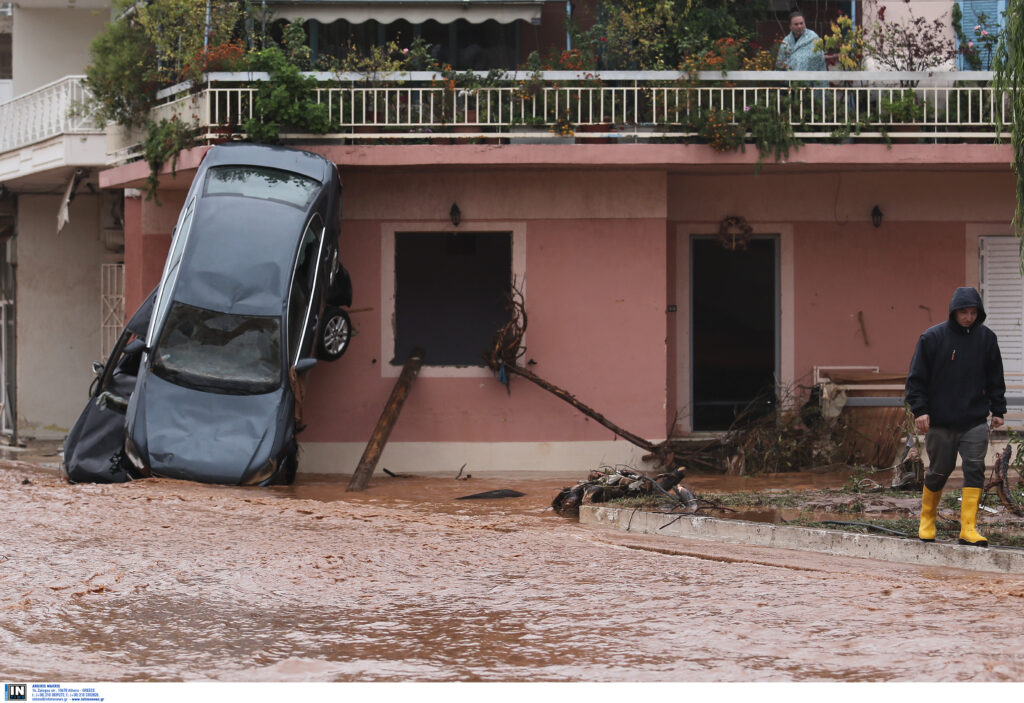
(263, 183)
(217, 352)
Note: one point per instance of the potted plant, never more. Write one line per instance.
(843, 46)
(904, 107)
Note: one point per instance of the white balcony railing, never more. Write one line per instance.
(46, 112)
(640, 104)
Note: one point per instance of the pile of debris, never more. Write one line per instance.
(619, 482)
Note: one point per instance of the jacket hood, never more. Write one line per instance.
(966, 297)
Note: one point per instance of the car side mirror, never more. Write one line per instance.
(97, 368)
(303, 365)
(135, 346)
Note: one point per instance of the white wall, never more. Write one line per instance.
(48, 44)
(58, 308)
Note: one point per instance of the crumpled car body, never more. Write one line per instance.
(94, 448)
(251, 278)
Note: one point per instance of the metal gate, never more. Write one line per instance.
(111, 307)
(8, 409)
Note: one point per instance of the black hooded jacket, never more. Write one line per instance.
(956, 375)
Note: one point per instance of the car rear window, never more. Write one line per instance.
(263, 183)
(217, 352)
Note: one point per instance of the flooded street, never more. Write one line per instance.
(161, 580)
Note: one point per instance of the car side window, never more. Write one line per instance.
(304, 281)
(171, 267)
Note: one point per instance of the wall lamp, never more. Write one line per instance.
(876, 217)
(455, 214)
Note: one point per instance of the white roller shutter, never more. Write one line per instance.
(1002, 290)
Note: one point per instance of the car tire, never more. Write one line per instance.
(335, 334)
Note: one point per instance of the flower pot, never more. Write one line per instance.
(595, 128)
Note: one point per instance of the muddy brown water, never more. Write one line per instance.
(162, 580)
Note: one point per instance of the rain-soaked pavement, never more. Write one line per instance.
(161, 580)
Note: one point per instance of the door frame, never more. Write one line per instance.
(682, 365)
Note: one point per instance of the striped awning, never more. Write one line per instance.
(413, 11)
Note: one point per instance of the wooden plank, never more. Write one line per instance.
(375, 447)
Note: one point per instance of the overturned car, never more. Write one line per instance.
(250, 298)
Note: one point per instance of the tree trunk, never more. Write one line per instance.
(374, 448)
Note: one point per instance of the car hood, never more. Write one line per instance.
(209, 437)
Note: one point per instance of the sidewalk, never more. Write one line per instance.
(835, 542)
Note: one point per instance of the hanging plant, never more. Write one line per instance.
(164, 141)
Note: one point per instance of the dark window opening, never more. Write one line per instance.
(5, 57)
(451, 291)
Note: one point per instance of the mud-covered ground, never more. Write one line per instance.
(165, 580)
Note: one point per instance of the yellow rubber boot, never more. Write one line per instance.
(969, 518)
(929, 511)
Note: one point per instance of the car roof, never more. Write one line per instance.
(301, 162)
(240, 254)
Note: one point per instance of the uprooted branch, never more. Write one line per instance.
(503, 359)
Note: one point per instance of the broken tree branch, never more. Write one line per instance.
(503, 357)
(583, 408)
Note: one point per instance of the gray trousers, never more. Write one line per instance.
(943, 446)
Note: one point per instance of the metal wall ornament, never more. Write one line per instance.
(734, 233)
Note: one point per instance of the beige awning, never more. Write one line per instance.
(412, 11)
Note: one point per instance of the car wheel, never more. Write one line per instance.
(335, 334)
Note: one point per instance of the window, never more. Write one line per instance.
(987, 17)
(303, 285)
(219, 352)
(264, 183)
(5, 56)
(451, 292)
(170, 275)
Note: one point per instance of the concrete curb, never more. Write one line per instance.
(836, 542)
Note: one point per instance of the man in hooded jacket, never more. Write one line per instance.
(955, 381)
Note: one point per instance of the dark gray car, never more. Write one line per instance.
(250, 297)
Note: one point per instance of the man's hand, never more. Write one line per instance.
(997, 422)
(922, 424)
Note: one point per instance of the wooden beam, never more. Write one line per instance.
(374, 448)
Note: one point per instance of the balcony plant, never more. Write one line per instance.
(977, 46)
(287, 100)
(904, 107)
(467, 100)
(843, 45)
(911, 44)
(660, 34)
(720, 129)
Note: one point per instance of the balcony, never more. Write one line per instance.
(42, 130)
(622, 106)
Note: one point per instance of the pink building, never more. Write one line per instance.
(635, 306)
